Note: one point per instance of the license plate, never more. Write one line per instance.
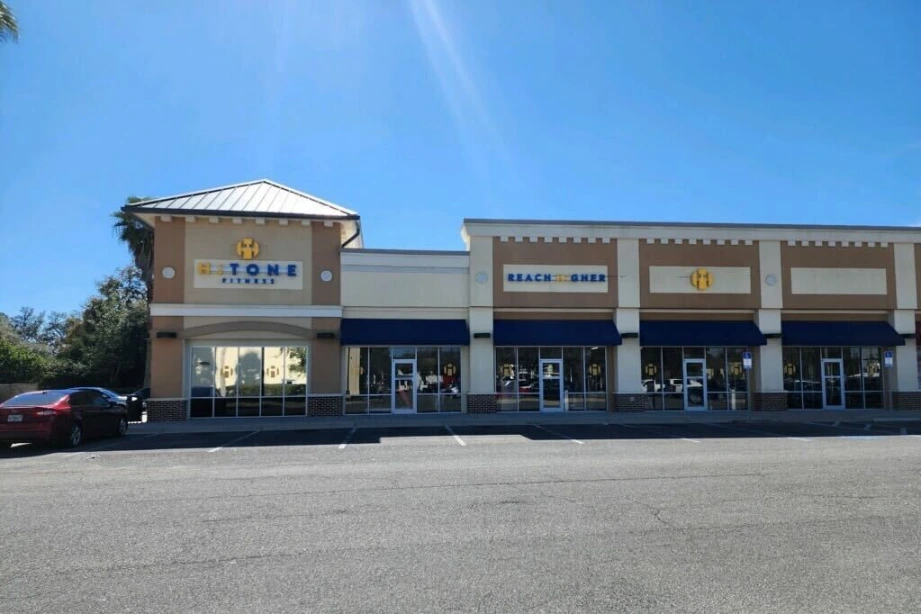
(14, 418)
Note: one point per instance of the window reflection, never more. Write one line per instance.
(227, 380)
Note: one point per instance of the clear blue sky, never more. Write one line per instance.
(418, 113)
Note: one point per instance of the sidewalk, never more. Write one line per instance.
(212, 425)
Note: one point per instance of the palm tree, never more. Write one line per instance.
(9, 28)
(139, 237)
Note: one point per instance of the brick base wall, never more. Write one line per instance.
(769, 401)
(482, 404)
(906, 400)
(325, 406)
(627, 403)
(165, 410)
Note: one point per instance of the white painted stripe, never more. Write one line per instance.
(348, 438)
(581, 443)
(456, 437)
(232, 441)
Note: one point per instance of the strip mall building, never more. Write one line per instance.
(267, 303)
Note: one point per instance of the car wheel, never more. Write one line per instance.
(122, 428)
(75, 436)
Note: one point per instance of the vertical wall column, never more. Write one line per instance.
(629, 377)
(768, 364)
(904, 381)
(628, 381)
(481, 381)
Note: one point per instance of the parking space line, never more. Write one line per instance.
(868, 426)
(456, 437)
(348, 438)
(232, 441)
(759, 432)
(581, 443)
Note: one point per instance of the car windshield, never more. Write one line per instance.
(28, 399)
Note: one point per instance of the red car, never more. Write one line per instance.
(63, 417)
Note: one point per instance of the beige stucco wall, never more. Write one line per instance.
(204, 240)
(825, 257)
(371, 279)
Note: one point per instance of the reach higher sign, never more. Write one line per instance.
(555, 278)
(261, 274)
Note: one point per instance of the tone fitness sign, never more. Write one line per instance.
(555, 278)
(264, 274)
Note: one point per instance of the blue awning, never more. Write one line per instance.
(555, 332)
(806, 332)
(700, 333)
(359, 331)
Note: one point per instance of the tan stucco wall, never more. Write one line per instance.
(703, 256)
(838, 257)
(541, 253)
(325, 360)
(169, 251)
(166, 359)
(554, 315)
(700, 315)
(293, 242)
(325, 256)
(836, 317)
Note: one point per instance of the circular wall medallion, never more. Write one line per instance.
(326, 275)
(771, 280)
(169, 272)
(482, 277)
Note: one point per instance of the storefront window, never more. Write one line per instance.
(528, 379)
(201, 377)
(227, 381)
(792, 378)
(811, 365)
(582, 376)
(664, 378)
(574, 378)
(673, 376)
(861, 378)
(437, 380)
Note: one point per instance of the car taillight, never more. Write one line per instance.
(45, 412)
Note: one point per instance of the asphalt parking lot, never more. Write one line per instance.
(680, 518)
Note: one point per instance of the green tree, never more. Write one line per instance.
(139, 238)
(19, 363)
(105, 346)
(9, 27)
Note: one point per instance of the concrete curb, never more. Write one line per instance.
(213, 425)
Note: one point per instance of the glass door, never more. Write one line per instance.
(833, 383)
(551, 385)
(403, 386)
(695, 384)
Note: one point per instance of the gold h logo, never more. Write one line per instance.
(701, 279)
(247, 248)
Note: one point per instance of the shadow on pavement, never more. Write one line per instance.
(555, 432)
